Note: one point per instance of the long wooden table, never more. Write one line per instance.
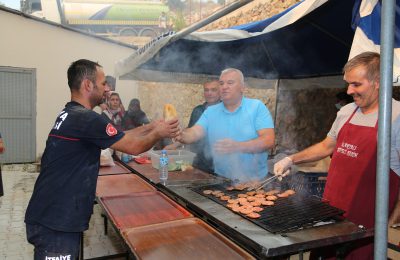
(240, 232)
(155, 227)
(111, 170)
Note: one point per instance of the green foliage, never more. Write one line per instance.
(178, 21)
(177, 5)
(135, 12)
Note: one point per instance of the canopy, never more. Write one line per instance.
(312, 38)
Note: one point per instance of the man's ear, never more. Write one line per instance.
(87, 85)
(377, 84)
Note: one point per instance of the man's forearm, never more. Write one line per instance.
(191, 135)
(265, 140)
(314, 152)
(142, 130)
(256, 145)
(135, 143)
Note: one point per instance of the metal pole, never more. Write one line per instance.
(60, 8)
(384, 130)
(194, 27)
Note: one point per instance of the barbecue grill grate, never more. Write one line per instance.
(308, 183)
(288, 214)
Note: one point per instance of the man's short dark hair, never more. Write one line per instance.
(80, 70)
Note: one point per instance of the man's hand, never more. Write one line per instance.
(168, 128)
(282, 168)
(225, 146)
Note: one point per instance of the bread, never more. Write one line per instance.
(169, 112)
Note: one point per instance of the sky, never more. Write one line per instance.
(11, 3)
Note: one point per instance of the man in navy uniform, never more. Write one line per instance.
(62, 200)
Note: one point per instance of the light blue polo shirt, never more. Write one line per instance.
(241, 125)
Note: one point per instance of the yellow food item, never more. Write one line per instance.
(169, 112)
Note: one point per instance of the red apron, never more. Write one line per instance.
(351, 183)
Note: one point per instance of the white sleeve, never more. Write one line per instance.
(395, 147)
(342, 115)
(333, 133)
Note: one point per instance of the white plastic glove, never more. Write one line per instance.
(282, 167)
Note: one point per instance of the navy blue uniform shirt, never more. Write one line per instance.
(64, 192)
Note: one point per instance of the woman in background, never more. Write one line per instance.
(114, 112)
(134, 117)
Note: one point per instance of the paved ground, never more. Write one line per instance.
(18, 181)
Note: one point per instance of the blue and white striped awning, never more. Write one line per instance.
(367, 25)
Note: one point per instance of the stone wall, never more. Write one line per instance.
(304, 117)
(255, 11)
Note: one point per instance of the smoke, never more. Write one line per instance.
(185, 56)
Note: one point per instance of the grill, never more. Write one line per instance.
(309, 183)
(288, 214)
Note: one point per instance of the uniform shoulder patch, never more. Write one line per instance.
(111, 130)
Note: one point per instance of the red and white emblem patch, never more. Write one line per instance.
(111, 130)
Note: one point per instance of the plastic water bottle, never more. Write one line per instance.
(126, 157)
(164, 167)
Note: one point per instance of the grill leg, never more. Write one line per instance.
(341, 251)
(81, 248)
(1, 184)
(301, 255)
(105, 224)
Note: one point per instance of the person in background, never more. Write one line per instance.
(112, 84)
(113, 111)
(135, 116)
(352, 142)
(2, 149)
(62, 200)
(203, 159)
(163, 22)
(239, 131)
(342, 99)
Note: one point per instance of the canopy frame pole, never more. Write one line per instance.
(384, 130)
(276, 87)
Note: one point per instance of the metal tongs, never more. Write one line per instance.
(263, 183)
(269, 180)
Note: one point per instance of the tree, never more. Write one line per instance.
(176, 5)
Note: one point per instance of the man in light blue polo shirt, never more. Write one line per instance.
(239, 130)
